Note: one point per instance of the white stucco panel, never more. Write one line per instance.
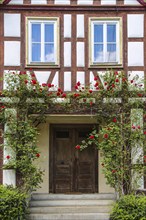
(11, 53)
(16, 2)
(138, 78)
(39, 2)
(12, 25)
(9, 177)
(80, 54)
(135, 25)
(108, 2)
(80, 77)
(67, 54)
(67, 25)
(55, 82)
(80, 26)
(67, 81)
(135, 54)
(131, 2)
(92, 81)
(85, 2)
(62, 2)
(42, 76)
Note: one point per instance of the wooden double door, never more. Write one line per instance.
(72, 171)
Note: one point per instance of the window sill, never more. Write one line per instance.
(106, 65)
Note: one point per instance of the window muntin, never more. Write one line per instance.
(105, 41)
(42, 37)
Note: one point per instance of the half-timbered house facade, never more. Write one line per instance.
(66, 41)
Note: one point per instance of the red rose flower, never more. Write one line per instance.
(25, 81)
(114, 120)
(44, 84)
(114, 171)
(105, 83)
(124, 79)
(37, 155)
(144, 156)
(116, 73)
(96, 84)
(138, 127)
(113, 85)
(140, 95)
(117, 80)
(78, 83)
(144, 132)
(63, 95)
(132, 81)
(133, 127)
(91, 103)
(78, 147)
(58, 94)
(90, 90)
(95, 78)
(91, 137)
(105, 135)
(49, 85)
(34, 82)
(32, 75)
(8, 157)
(2, 106)
(52, 85)
(76, 87)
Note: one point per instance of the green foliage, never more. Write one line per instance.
(130, 207)
(13, 204)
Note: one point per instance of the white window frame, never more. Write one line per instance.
(42, 21)
(105, 22)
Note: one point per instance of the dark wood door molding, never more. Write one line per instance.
(72, 171)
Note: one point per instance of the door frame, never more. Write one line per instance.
(52, 153)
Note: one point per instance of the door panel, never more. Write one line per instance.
(73, 171)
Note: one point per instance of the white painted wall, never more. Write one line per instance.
(67, 54)
(135, 54)
(81, 77)
(108, 2)
(39, 2)
(85, 2)
(131, 2)
(12, 25)
(9, 177)
(80, 26)
(67, 81)
(62, 2)
(80, 54)
(11, 53)
(16, 2)
(42, 76)
(67, 25)
(135, 25)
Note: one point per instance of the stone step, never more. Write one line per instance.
(70, 216)
(87, 202)
(71, 209)
(73, 197)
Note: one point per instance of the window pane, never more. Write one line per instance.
(49, 32)
(36, 33)
(49, 53)
(111, 53)
(98, 33)
(98, 53)
(111, 33)
(36, 52)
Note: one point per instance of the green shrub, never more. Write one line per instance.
(13, 204)
(130, 207)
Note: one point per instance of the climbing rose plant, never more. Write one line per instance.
(120, 137)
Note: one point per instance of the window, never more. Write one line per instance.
(42, 42)
(105, 42)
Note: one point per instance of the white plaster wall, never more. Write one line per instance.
(67, 25)
(108, 2)
(135, 25)
(16, 2)
(62, 2)
(80, 26)
(67, 81)
(39, 2)
(92, 82)
(9, 177)
(80, 53)
(85, 2)
(81, 77)
(67, 54)
(11, 53)
(12, 25)
(55, 82)
(135, 54)
(42, 76)
(131, 2)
